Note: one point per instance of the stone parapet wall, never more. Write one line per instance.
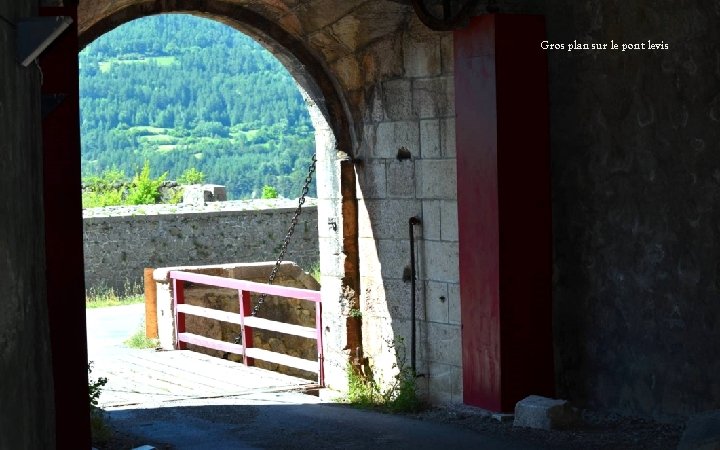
(287, 310)
(119, 242)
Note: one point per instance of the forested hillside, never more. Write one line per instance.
(181, 91)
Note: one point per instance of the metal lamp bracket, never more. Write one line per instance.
(34, 34)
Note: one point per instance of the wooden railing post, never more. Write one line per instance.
(178, 299)
(245, 331)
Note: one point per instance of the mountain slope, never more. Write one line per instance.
(183, 91)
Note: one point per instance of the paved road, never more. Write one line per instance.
(292, 421)
(108, 328)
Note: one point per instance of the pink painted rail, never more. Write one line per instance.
(246, 321)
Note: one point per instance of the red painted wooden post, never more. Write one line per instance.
(178, 299)
(245, 331)
(64, 233)
(319, 339)
(504, 210)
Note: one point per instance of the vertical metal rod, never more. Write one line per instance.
(412, 222)
(319, 339)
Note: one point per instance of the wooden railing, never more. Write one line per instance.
(247, 321)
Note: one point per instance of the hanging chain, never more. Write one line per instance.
(291, 230)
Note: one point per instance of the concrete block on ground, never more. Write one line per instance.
(545, 413)
(702, 432)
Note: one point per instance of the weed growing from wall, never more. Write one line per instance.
(399, 396)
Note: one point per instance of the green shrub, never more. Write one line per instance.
(269, 192)
(191, 176)
(145, 189)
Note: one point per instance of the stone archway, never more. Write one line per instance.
(63, 224)
(336, 176)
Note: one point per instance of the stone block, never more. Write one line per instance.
(436, 178)
(394, 256)
(397, 98)
(400, 179)
(348, 72)
(433, 97)
(430, 138)
(391, 136)
(436, 301)
(454, 303)
(421, 57)
(447, 137)
(444, 383)
(375, 61)
(369, 260)
(372, 179)
(439, 261)
(702, 432)
(443, 343)
(447, 54)
(448, 220)
(398, 300)
(430, 228)
(545, 413)
(376, 23)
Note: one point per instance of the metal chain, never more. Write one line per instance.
(291, 230)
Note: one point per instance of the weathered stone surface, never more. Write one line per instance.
(400, 179)
(372, 180)
(702, 432)
(436, 178)
(544, 413)
(439, 261)
(436, 301)
(421, 51)
(391, 136)
(397, 99)
(433, 97)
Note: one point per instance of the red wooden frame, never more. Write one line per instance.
(246, 321)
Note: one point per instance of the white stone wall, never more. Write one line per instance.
(121, 241)
(413, 110)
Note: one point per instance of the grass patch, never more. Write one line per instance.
(104, 297)
(315, 271)
(140, 340)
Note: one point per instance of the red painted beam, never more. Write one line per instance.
(244, 285)
(504, 210)
(64, 236)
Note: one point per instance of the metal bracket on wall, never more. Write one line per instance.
(49, 102)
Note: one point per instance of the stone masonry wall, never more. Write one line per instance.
(121, 241)
(411, 109)
(27, 419)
